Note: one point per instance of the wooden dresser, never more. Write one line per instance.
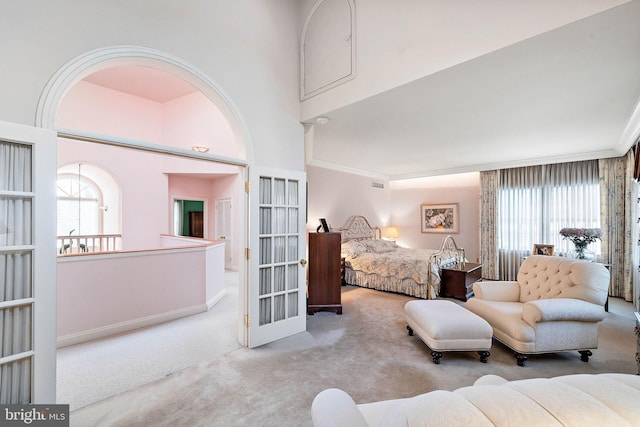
(324, 273)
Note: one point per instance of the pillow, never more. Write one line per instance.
(352, 249)
(379, 246)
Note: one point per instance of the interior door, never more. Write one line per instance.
(196, 224)
(277, 294)
(223, 228)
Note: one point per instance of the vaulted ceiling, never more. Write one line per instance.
(568, 94)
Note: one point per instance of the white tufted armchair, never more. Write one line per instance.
(555, 305)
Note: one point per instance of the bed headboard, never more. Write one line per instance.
(358, 228)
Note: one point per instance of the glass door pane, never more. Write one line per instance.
(16, 273)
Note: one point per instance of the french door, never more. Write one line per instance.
(27, 265)
(277, 273)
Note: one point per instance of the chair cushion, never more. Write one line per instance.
(547, 310)
(542, 277)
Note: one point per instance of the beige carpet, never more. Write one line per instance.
(365, 352)
(96, 370)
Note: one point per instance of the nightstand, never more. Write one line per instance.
(457, 281)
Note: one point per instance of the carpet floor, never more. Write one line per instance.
(366, 352)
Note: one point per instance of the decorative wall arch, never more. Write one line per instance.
(99, 59)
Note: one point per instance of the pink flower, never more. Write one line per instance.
(581, 237)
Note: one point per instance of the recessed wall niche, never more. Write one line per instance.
(327, 51)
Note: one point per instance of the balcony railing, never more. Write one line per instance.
(89, 243)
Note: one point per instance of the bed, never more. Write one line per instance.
(372, 262)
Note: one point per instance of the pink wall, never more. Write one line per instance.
(194, 120)
(96, 109)
(143, 186)
(231, 187)
(100, 295)
(145, 195)
(143, 177)
(186, 187)
(183, 122)
(210, 189)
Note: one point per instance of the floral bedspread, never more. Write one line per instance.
(401, 263)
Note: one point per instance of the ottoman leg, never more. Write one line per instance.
(521, 359)
(436, 356)
(410, 330)
(484, 355)
(584, 355)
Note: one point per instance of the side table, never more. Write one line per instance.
(457, 281)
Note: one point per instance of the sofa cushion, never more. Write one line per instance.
(568, 404)
(571, 400)
(504, 406)
(436, 408)
(619, 392)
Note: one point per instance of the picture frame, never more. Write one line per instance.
(542, 249)
(323, 227)
(439, 218)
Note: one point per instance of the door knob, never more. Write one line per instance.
(303, 262)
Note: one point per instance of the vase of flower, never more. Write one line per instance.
(581, 238)
(583, 254)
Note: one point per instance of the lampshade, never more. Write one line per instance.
(391, 232)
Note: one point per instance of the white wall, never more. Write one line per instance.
(408, 195)
(248, 49)
(337, 195)
(396, 45)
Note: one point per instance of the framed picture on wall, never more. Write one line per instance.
(439, 218)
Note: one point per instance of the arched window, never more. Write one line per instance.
(79, 202)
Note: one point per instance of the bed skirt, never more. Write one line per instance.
(388, 284)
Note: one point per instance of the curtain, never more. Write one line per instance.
(15, 273)
(530, 206)
(618, 213)
(489, 224)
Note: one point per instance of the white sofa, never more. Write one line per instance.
(571, 400)
(555, 305)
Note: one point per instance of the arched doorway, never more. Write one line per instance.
(80, 70)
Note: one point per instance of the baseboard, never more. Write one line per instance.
(130, 325)
(213, 301)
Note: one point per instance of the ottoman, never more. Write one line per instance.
(446, 326)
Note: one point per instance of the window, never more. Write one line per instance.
(78, 206)
(536, 202)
